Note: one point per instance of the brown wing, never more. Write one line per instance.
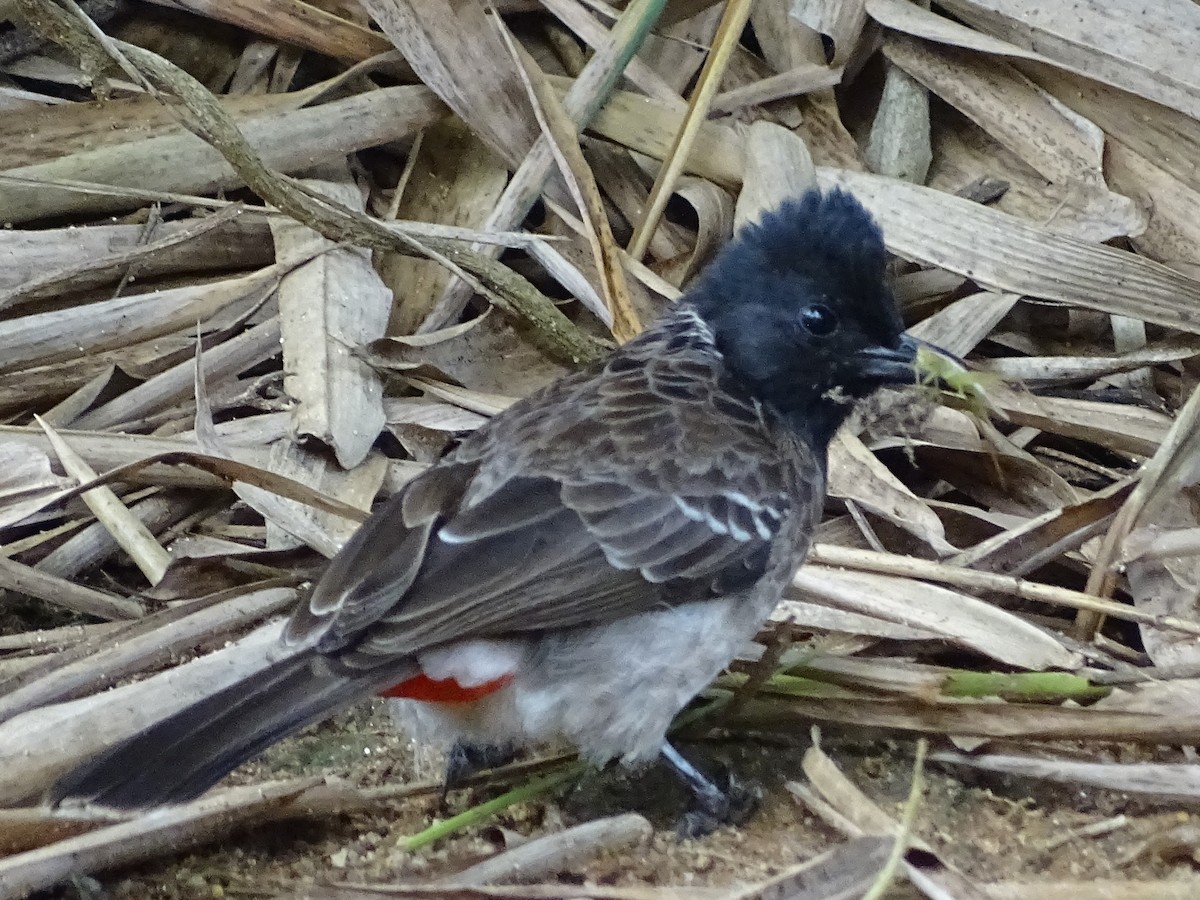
(608, 494)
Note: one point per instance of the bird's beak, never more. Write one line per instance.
(887, 365)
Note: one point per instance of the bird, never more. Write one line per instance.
(580, 567)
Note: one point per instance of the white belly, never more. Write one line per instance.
(610, 691)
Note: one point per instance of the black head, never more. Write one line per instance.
(800, 309)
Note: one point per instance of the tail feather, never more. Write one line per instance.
(180, 757)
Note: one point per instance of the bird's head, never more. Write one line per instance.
(800, 309)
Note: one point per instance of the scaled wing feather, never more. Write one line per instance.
(495, 541)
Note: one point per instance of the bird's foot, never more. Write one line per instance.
(465, 759)
(732, 804)
(715, 802)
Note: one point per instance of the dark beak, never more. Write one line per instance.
(887, 365)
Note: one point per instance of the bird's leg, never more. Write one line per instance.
(465, 759)
(713, 805)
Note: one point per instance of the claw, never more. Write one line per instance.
(464, 760)
(713, 805)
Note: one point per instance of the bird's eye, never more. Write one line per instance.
(819, 320)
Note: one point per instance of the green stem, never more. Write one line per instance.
(1029, 686)
(484, 811)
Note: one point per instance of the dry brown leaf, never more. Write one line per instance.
(455, 180)
(1039, 371)
(959, 327)
(582, 98)
(1095, 889)
(841, 21)
(589, 29)
(1174, 467)
(1172, 232)
(979, 581)
(33, 254)
(1040, 540)
(778, 166)
(1165, 583)
(677, 51)
(143, 259)
(802, 79)
(855, 474)
(965, 155)
(288, 141)
(330, 304)
(998, 251)
(1112, 41)
(733, 20)
(1014, 721)
(431, 414)
(1006, 254)
(52, 132)
(173, 828)
(490, 357)
(1065, 148)
(126, 529)
(899, 143)
(1020, 134)
(1126, 429)
(486, 404)
(1148, 142)
(1011, 482)
(562, 138)
(546, 856)
(842, 873)
(290, 522)
(54, 336)
(65, 593)
(1162, 782)
(457, 52)
(1154, 132)
(649, 126)
(844, 806)
(787, 34)
(552, 891)
(40, 743)
(24, 472)
(219, 363)
(826, 135)
(955, 616)
(714, 209)
(93, 544)
(826, 618)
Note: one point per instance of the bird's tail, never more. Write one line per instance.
(180, 757)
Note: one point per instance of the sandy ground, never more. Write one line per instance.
(992, 828)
